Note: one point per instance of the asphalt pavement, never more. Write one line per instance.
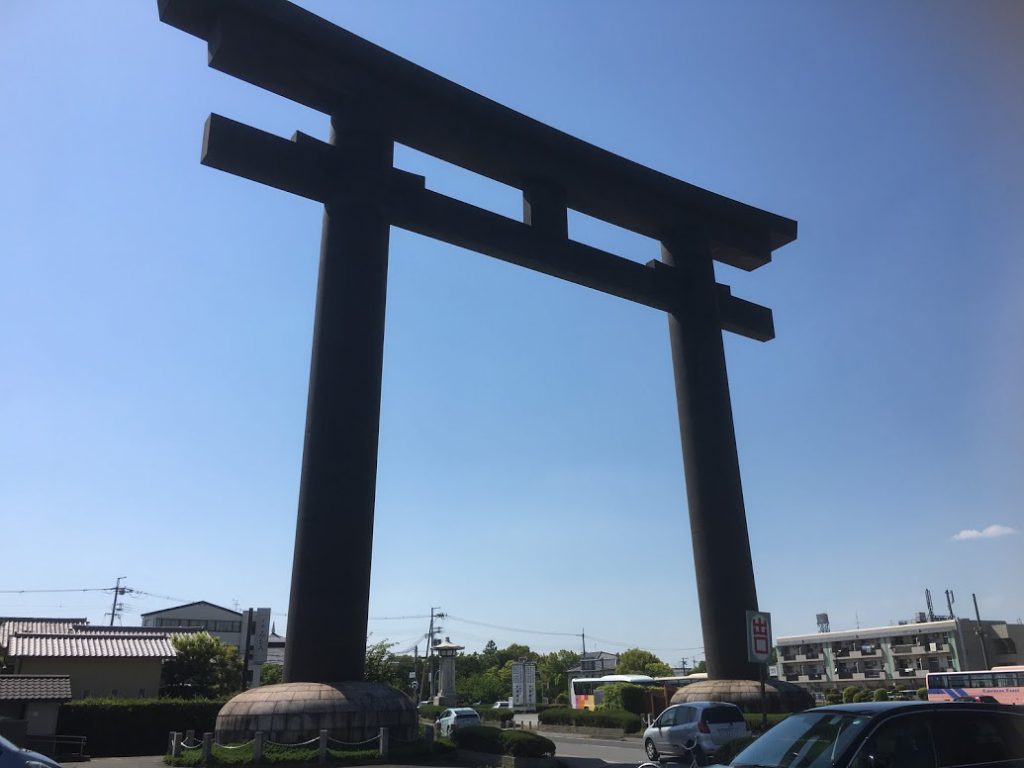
(574, 751)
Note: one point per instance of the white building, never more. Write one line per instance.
(222, 623)
(900, 655)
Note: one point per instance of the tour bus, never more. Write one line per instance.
(585, 692)
(1004, 684)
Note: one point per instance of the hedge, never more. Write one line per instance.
(429, 711)
(290, 755)
(488, 715)
(494, 741)
(130, 727)
(606, 718)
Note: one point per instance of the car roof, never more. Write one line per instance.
(882, 707)
(705, 704)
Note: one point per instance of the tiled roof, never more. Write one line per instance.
(92, 645)
(35, 687)
(11, 624)
(189, 605)
(91, 629)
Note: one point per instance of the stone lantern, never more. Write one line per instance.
(446, 685)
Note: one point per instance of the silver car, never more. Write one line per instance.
(697, 729)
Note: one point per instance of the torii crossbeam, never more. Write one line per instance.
(375, 99)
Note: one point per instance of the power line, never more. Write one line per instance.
(35, 592)
(513, 629)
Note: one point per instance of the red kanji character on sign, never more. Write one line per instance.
(759, 632)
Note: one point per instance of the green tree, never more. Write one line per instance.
(380, 666)
(271, 674)
(637, 661)
(553, 670)
(202, 666)
(701, 666)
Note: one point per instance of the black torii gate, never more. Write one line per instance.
(374, 99)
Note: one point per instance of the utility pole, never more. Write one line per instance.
(980, 633)
(248, 625)
(117, 593)
(430, 646)
(961, 651)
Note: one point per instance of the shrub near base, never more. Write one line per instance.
(494, 741)
(627, 721)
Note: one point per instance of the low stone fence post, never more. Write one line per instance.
(322, 746)
(384, 743)
(257, 748)
(207, 747)
(176, 744)
(428, 732)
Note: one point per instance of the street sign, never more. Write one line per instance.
(759, 637)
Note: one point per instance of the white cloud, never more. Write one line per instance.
(986, 533)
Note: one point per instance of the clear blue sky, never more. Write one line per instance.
(156, 317)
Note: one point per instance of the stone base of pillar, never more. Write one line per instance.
(746, 694)
(292, 712)
(445, 700)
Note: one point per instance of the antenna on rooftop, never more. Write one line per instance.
(928, 602)
(823, 623)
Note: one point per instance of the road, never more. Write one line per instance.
(585, 752)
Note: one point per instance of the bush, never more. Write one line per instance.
(130, 727)
(607, 718)
(849, 692)
(862, 696)
(833, 697)
(880, 695)
(494, 741)
(562, 699)
(624, 697)
(922, 694)
(490, 715)
(429, 711)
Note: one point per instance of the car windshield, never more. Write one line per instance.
(465, 716)
(806, 740)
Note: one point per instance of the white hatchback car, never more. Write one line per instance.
(697, 727)
(457, 717)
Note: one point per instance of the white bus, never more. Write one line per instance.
(585, 692)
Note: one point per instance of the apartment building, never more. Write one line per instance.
(900, 655)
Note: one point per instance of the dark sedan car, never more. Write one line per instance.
(896, 734)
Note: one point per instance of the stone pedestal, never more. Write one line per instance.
(746, 694)
(293, 712)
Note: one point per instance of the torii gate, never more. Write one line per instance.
(374, 99)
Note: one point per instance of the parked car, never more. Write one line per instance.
(697, 727)
(13, 756)
(452, 719)
(506, 704)
(893, 734)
